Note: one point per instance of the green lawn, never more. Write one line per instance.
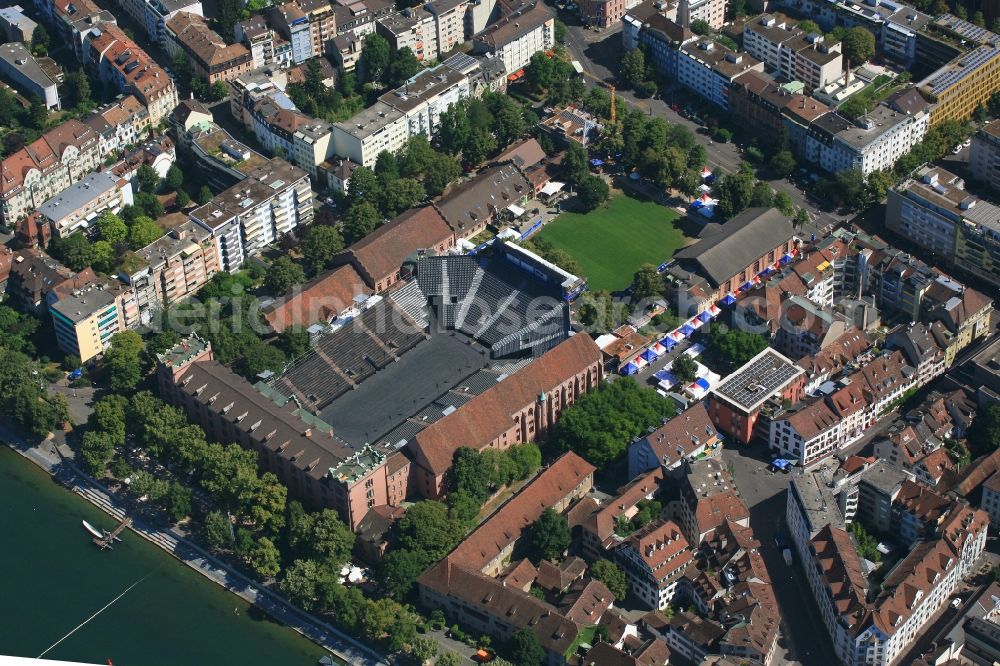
(613, 241)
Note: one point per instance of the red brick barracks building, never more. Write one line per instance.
(322, 470)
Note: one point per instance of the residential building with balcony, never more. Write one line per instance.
(209, 57)
(78, 206)
(516, 37)
(45, 167)
(173, 267)
(708, 69)
(87, 312)
(154, 15)
(791, 53)
(257, 35)
(273, 200)
(414, 28)
(119, 124)
(935, 211)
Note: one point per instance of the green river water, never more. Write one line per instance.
(52, 578)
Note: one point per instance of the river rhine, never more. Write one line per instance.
(54, 579)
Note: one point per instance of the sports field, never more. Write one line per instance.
(613, 241)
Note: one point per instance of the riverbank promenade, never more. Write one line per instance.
(56, 461)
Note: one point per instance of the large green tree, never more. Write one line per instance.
(122, 364)
(319, 246)
(858, 46)
(602, 423)
(524, 648)
(282, 275)
(612, 576)
(550, 535)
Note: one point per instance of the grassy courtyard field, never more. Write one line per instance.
(611, 242)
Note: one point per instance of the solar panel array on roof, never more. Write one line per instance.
(966, 65)
(757, 381)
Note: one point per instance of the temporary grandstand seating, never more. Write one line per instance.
(494, 303)
(349, 355)
(412, 301)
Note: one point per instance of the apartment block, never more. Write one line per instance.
(155, 14)
(273, 200)
(256, 34)
(79, 205)
(411, 109)
(121, 64)
(119, 124)
(47, 166)
(87, 311)
(876, 626)
(654, 560)
(793, 54)
(208, 55)
(963, 85)
(708, 68)
(984, 158)
(449, 22)
(870, 143)
(20, 68)
(516, 37)
(935, 211)
(414, 28)
(308, 25)
(172, 268)
(74, 22)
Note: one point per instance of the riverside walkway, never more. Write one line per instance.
(55, 461)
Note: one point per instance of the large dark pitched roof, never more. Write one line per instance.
(733, 246)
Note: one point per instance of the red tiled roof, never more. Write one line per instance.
(491, 413)
(505, 526)
(322, 298)
(383, 251)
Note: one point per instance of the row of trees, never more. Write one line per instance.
(114, 238)
(850, 188)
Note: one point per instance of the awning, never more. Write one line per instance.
(516, 210)
(714, 309)
(745, 286)
(785, 259)
(668, 342)
(678, 335)
(640, 362)
(705, 172)
(703, 383)
(728, 299)
(695, 323)
(705, 188)
(687, 330)
(705, 316)
(704, 198)
(629, 369)
(659, 349)
(649, 355)
(552, 187)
